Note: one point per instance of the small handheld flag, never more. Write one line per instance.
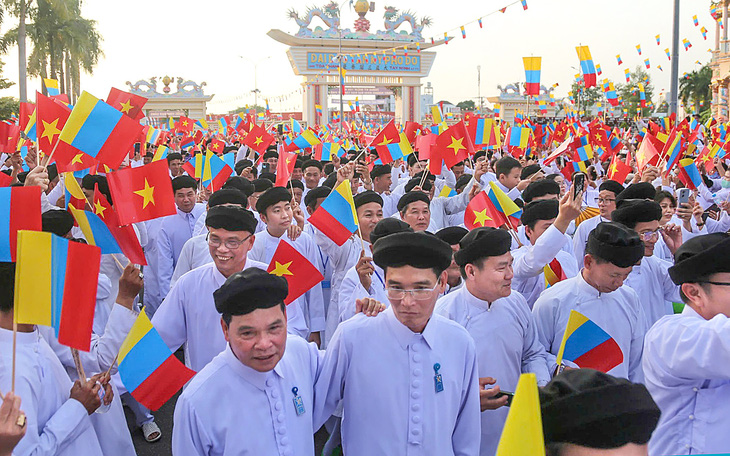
(300, 274)
(522, 434)
(336, 217)
(588, 346)
(20, 209)
(149, 371)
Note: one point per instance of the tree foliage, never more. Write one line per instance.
(585, 98)
(694, 90)
(466, 105)
(630, 95)
(9, 106)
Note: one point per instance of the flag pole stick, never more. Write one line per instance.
(359, 232)
(79, 366)
(53, 151)
(513, 230)
(15, 339)
(425, 173)
(114, 361)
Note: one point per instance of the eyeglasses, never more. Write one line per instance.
(723, 284)
(419, 294)
(231, 244)
(649, 235)
(604, 200)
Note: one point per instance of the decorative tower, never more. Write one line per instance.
(362, 24)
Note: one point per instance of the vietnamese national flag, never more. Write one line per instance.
(481, 212)
(11, 144)
(216, 146)
(51, 116)
(618, 170)
(26, 112)
(454, 145)
(284, 168)
(647, 153)
(128, 103)
(411, 130)
(142, 193)
(300, 274)
(185, 124)
(124, 235)
(258, 139)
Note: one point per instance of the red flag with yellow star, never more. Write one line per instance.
(301, 275)
(618, 170)
(142, 193)
(258, 139)
(124, 235)
(482, 212)
(648, 152)
(453, 145)
(284, 167)
(184, 124)
(388, 135)
(216, 146)
(51, 116)
(128, 103)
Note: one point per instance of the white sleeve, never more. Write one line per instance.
(542, 252)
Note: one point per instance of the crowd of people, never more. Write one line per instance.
(415, 340)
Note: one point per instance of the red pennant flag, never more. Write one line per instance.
(128, 103)
(124, 235)
(300, 274)
(142, 193)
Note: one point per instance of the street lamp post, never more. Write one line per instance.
(255, 90)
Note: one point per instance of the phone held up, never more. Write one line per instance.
(579, 184)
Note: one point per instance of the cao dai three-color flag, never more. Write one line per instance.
(586, 66)
(20, 209)
(142, 193)
(125, 235)
(336, 217)
(532, 75)
(147, 367)
(300, 274)
(588, 346)
(99, 130)
(55, 285)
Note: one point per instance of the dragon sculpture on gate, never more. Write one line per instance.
(393, 20)
(330, 15)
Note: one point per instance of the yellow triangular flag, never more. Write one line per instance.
(522, 433)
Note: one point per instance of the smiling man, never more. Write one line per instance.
(188, 315)
(500, 323)
(598, 292)
(407, 378)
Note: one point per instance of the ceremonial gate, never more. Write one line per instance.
(188, 100)
(383, 61)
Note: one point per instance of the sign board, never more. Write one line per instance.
(368, 62)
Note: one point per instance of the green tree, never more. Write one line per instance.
(246, 108)
(63, 42)
(630, 94)
(467, 105)
(9, 106)
(694, 90)
(585, 98)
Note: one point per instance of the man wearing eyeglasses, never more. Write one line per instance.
(606, 201)
(687, 356)
(499, 321)
(649, 277)
(407, 378)
(188, 315)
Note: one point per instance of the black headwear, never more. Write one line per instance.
(633, 211)
(57, 222)
(701, 256)
(272, 196)
(416, 181)
(388, 226)
(231, 218)
(366, 197)
(249, 290)
(616, 244)
(239, 183)
(539, 210)
(420, 250)
(482, 243)
(227, 196)
(314, 194)
(380, 170)
(540, 188)
(452, 235)
(261, 185)
(611, 186)
(589, 408)
(529, 170)
(412, 197)
(181, 182)
(462, 181)
(640, 190)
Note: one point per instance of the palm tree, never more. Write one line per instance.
(695, 88)
(63, 42)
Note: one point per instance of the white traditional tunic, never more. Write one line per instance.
(687, 371)
(188, 315)
(194, 254)
(385, 375)
(265, 423)
(505, 336)
(111, 427)
(175, 230)
(311, 302)
(56, 424)
(618, 313)
(567, 247)
(351, 290)
(152, 297)
(530, 260)
(650, 280)
(581, 237)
